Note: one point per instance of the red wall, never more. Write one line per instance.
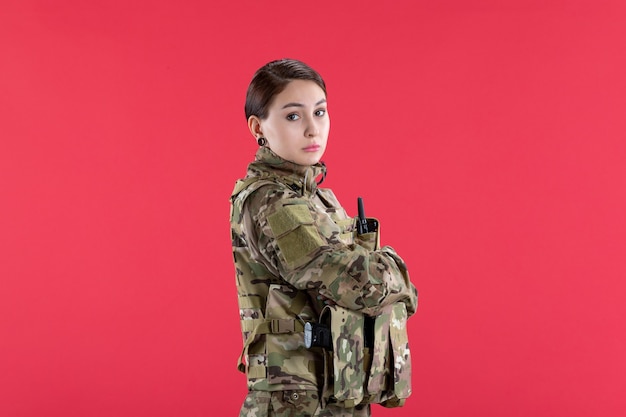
(487, 136)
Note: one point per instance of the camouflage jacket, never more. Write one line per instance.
(296, 251)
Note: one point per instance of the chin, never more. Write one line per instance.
(310, 161)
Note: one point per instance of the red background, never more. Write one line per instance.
(487, 136)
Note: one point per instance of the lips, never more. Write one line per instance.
(312, 148)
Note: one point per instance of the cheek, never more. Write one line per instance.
(326, 126)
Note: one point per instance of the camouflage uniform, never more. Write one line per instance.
(296, 251)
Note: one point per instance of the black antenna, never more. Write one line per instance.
(362, 221)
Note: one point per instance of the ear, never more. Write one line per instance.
(254, 124)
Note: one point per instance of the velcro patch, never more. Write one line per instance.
(288, 218)
(295, 233)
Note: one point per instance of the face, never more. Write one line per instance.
(297, 124)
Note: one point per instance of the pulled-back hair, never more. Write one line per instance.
(271, 79)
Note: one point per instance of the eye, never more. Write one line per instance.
(292, 116)
(320, 112)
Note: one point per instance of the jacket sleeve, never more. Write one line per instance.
(301, 245)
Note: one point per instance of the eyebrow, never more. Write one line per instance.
(302, 105)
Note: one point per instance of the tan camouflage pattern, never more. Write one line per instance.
(296, 251)
(346, 374)
(355, 373)
(401, 354)
(378, 381)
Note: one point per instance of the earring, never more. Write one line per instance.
(261, 141)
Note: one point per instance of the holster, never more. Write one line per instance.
(355, 373)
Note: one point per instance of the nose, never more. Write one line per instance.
(311, 129)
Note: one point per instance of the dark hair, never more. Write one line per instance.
(271, 79)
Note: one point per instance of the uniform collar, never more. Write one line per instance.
(301, 178)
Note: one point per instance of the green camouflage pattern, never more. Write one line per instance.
(292, 403)
(296, 251)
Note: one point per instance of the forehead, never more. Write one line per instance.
(304, 92)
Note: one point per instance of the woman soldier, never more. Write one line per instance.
(296, 251)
